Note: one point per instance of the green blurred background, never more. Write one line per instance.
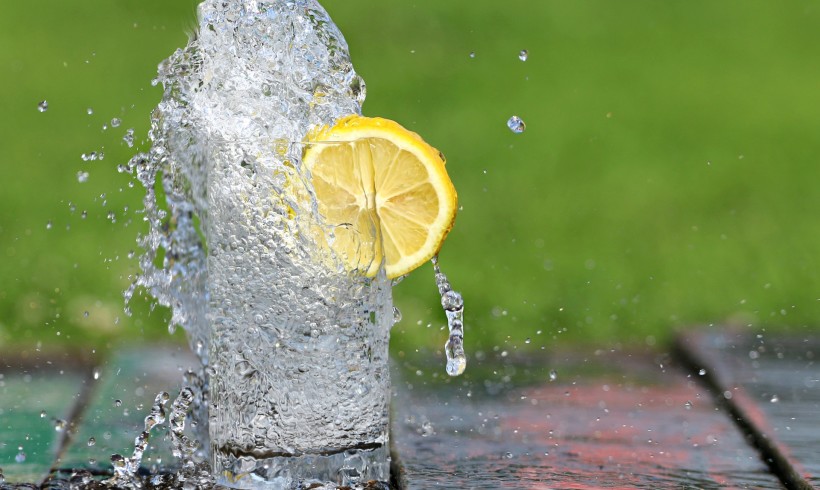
(667, 178)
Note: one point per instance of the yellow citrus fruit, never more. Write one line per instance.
(383, 192)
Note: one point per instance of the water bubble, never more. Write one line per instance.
(702, 372)
(553, 375)
(82, 177)
(516, 125)
(115, 123)
(42, 106)
(523, 54)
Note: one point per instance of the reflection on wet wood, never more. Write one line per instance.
(772, 387)
(637, 423)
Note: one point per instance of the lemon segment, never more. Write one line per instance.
(382, 191)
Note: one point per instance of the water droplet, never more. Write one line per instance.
(396, 314)
(49, 225)
(42, 106)
(472, 54)
(774, 399)
(60, 425)
(702, 372)
(96, 374)
(527, 340)
(115, 123)
(523, 54)
(516, 125)
(508, 455)
(553, 375)
(117, 403)
(43, 414)
(89, 111)
(129, 137)
(82, 177)
(688, 405)
(91, 441)
(21, 456)
(90, 156)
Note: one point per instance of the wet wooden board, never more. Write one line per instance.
(614, 421)
(33, 401)
(774, 386)
(125, 390)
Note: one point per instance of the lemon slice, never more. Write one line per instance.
(382, 191)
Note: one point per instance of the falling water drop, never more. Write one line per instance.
(553, 375)
(42, 106)
(396, 314)
(688, 405)
(91, 441)
(523, 54)
(774, 399)
(453, 305)
(82, 177)
(516, 125)
(21, 456)
(702, 372)
(115, 123)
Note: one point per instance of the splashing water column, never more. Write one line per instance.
(293, 342)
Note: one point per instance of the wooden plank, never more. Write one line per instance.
(772, 386)
(127, 386)
(619, 421)
(34, 404)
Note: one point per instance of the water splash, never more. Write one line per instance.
(453, 305)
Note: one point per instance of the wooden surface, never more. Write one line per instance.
(608, 419)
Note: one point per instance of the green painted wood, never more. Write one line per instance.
(126, 388)
(32, 401)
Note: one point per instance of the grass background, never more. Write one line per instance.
(667, 178)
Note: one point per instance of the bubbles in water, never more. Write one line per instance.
(42, 106)
(523, 54)
(82, 177)
(516, 125)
